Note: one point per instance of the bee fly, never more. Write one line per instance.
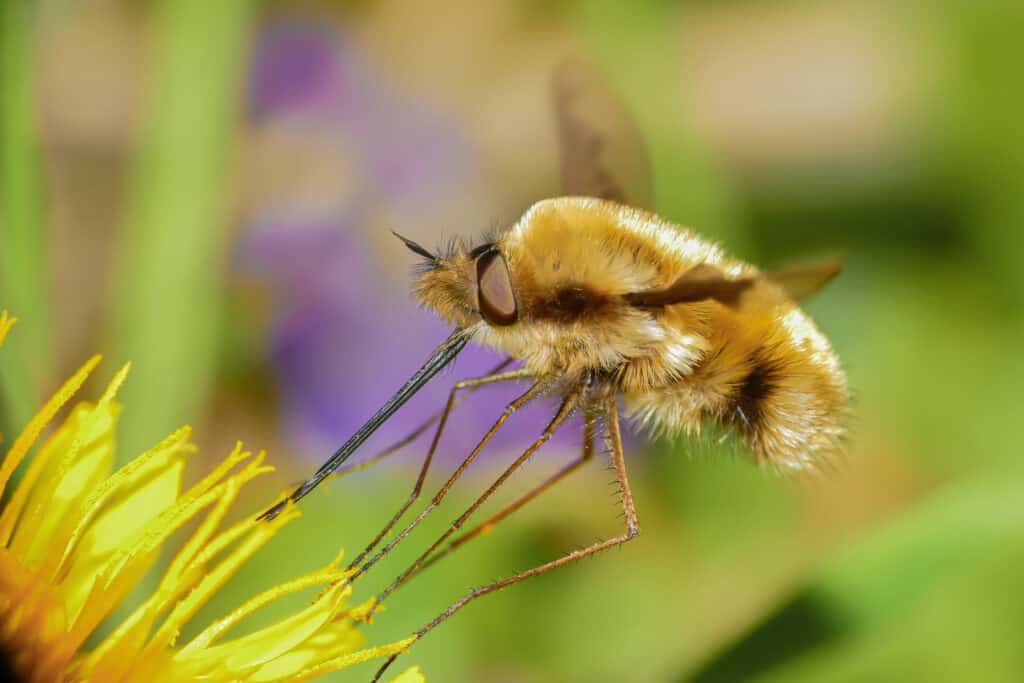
(598, 300)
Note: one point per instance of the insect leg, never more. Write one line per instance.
(416, 433)
(564, 410)
(470, 384)
(490, 522)
(632, 530)
(535, 390)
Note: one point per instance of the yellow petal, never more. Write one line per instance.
(118, 526)
(354, 658)
(187, 558)
(116, 654)
(253, 650)
(31, 432)
(122, 484)
(413, 675)
(53, 508)
(6, 323)
(198, 497)
(124, 567)
(215, 579)
(330, 642)
(87, 439)
(216, 630)
(12, 509)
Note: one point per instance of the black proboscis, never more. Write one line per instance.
(444, 354)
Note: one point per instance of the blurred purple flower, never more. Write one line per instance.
(346, 333)
(293, 69)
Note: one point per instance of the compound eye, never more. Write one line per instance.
(494, 288)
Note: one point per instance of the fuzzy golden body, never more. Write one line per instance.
(758, 364)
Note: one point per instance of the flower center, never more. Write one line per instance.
(32, 626)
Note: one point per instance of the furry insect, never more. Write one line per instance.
(599, 300)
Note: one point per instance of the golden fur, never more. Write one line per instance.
(760, 366)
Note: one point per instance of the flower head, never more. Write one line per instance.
(76, 537)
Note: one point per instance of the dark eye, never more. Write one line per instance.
(494, 287)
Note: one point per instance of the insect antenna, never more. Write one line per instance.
(416, 248)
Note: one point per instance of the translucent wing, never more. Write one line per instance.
(703, 282)
(803, 281)
(700, 283)
(602, 151)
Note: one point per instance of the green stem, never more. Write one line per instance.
(168, 289)
(24, 276)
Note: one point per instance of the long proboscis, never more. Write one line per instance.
(443, 355)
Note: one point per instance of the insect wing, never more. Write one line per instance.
(700, 283)
(602, 151)
(801, 282)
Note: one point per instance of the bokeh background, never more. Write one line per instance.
(207, 188)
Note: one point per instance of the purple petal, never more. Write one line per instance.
(294, 65)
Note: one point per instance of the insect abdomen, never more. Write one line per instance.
(770, 377)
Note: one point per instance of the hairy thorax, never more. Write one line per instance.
(573, 260)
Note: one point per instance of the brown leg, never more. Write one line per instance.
(416, 433)
(632, 530)
(564, 410)
(535, 390)
(443, 421)
(490, 522)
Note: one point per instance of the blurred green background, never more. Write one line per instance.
(152, 152)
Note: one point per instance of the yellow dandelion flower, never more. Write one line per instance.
(76, 537)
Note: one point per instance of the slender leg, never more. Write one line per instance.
(443, 421)
(632, 530)
(564, 410)
(490, 522)
(535, 390)
(416, 433)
